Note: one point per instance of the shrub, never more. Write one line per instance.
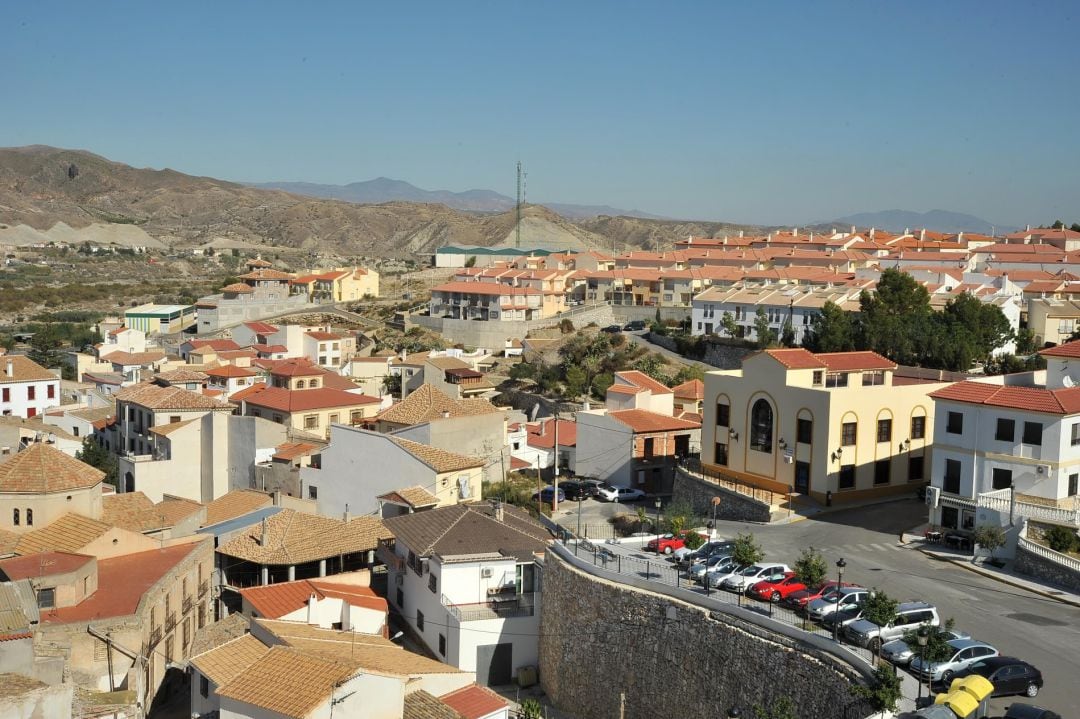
(1060, 539)
(990, 537)
(693, 540)
(566, 325)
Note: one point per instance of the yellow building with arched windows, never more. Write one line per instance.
(841, 425)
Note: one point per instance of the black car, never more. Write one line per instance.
(612, 329)
(1009, 675)
(634, 326)
(1029, 711)
(577, 490)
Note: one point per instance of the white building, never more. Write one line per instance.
(26, 388)
(782, 303)
(337, 602)
(466, 580)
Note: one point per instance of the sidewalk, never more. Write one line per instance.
(1005, 574)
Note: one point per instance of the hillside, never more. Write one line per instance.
(184, 211)
(939, 220)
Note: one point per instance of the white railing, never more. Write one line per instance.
(1045, 552)
(1000, 500)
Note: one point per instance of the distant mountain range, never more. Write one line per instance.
(939, 220)
(385, 189)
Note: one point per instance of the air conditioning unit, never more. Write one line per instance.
(487, 572)
(933, 497)
(1043, 469)
(788, 459)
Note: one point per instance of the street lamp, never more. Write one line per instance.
(734, 713)
(923, 636)
(658, 525)
(715, 503)
(840, 564)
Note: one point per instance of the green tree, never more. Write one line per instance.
(1025, 341)
(391, 385)
(652, 364)
(894, 320)
(880, 609)
(781, 708)
(98, 457)
(746, 550)
(1075, 227)
(787, 335)
(729, 325)
(1058, 225)
(937, 647)
(979, 328)
(576, 381)
(990, 537)
(45, 346)
(831, 330)
(1060, 539)
(810, 567)
(693, 540)
(687, 373)
(883, 694)
(471, 262)
(601, 383)
(765, 334)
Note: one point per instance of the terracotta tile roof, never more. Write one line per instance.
(445, 363)
(427, 404)
(324, 336)
(543, 434)
(134, 358)
(643, 380)
(274, 601)
(42, 468)
(93, 415)
(796, 358)
(243, 394)
(216, 345)
(852, 361)
(41, 565)
(68, 533)
(122, 583)
(270, 349)
(156, 397)
(470, 529)
(302, 400)
(516, 464)
(625, 389)
(234, 504)
(286, 681)
(223, 663)
(289, 451)
(296, 367)
(241, 353)
(181, 376)
(214, 635)
(230, 371)
(485, 288)
(1033, 399)
(643, 421)
(1069, 349)
(415, 497)
(266, 274)
(23, 369)
(164, 430)
(238, 288)
(694, 389)
(259, 262)
(439, 460)
(474, 701)
(422, 705)
(296, 537)
(126, 510)
(261, 328)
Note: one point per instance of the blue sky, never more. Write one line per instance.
(777, 112)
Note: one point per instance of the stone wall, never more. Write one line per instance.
(699, 494)
(718, 353)
(674, 659)
(1033, 565)
(494, 333)
(627, 313)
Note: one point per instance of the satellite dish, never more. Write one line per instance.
(463, 487)
(1068, 381)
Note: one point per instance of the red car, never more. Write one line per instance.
(798, 600)
(668, 543)
(775, 590)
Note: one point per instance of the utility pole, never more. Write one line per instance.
(520, 197)
(555, 494)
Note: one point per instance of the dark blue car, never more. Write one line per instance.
(547, 494)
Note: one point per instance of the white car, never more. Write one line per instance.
(753, 574)
(612, 493)
(829, 602)
(716, 577)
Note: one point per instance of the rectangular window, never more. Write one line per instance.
(723, 415)
(870, 379)
(955, 423)
(50, 391)
(419, 620)
(836, 379)
(918, 427)
(952, 476)
(1073, 480)
(882, 471)
(848, 431)
(884, 430)
(432, 583)
(1002, 478)
(915, 468)
(334, 418)
(818, 376)
(312, 492)
(311, 421)
(46, 598)
(400, 597)
(721, 457)
(1033, 433)
(204, 686)
(847, 476)
(1075, 434)
(7, 394)
(174, 418)
(31, 392)
(649, 449)
(1006, 430)
(442, 644)
(804, 431)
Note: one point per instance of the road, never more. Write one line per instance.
(1019, 623)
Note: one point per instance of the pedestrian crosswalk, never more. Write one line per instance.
(876, 547)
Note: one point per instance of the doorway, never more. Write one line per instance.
(802, 477)
(493, 664)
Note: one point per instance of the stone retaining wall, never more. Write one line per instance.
(718, 353)
(1033, 565)
(699, 494)
(494, 333)
(673, 659)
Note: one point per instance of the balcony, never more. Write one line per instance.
(187, 604)
(204, 588)
(155, 636)
(500, 606)
(170, 621)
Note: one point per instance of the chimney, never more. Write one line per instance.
(740, 233)
(311, 608)
(347, 516)
(446, 414)
(263, 540)
(585, 407)
(922, 235)
(10, 368)
(499, 516)
(794, 231)
(872, 230)
(853, 229)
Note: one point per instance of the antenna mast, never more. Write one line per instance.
(520, 199)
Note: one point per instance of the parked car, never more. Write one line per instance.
(713, 563)
(753, 574)
(842, 618)
(667, 543)
(1009, 675)
(716, 576)
(898, 652)
(685, 556)
(909, 615)
(964, 652)
(1029, 711)
(576, 491)
(548, 494)
(611, 493)
(799, 599)
(834, 599)
(634, 326)
(612, 329)
(772, 590)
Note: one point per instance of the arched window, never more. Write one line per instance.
(29, 517)
(313, 384)
(299, 384)
(15, 517)
(761, 426)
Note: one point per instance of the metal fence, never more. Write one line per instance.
(693, 466)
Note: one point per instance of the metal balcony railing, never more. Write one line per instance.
(508, 606)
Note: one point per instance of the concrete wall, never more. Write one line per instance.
(699, 494)
(47, 702)
(495, 333)
(480, 436)
(1031, 564)
(247, 434)
(673, 659)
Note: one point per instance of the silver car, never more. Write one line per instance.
(753, 574)
(716, 563)
(836, 599)
(964, 653)
(898, 652)
(716, 577)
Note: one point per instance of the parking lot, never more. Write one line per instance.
(1017, 622)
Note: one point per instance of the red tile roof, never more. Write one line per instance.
(625, 389)
(1032, 399)
(850, 361)
(694, 389)
(642, 421)
(543, 436)
(276, 600)
(474, 702)
(643, 380)
(796, 358)
(261, 328)
(516, 464)
(324, 336)
(216, 345)
(292, 450)
(296, 367)
(230, 371)
(301, 400)
(1069, 349)
(42, 564)
(484, 288)
(247, 392)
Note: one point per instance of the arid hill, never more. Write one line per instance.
(40, 186)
